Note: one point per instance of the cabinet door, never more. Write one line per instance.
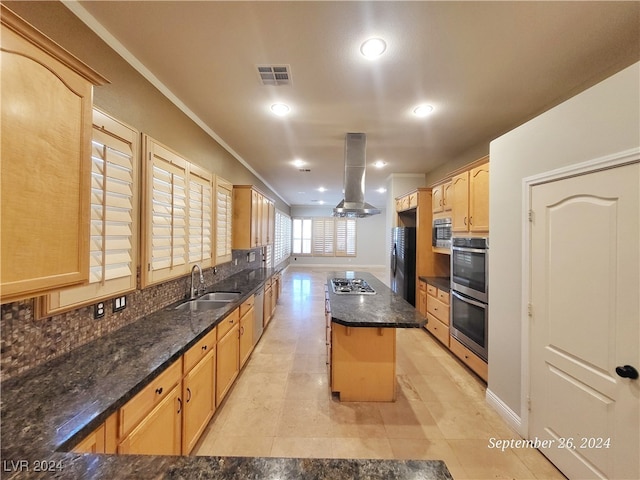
(479, 199)
(246, 336)
(160, 432)
(436, 199)
(268, 295)
(446, 197)
(460, 202)
(198, 392)
(227, 367)
(93, 443)
(45, 172)
(256, 219)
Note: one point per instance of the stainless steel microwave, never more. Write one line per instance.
(441, 233)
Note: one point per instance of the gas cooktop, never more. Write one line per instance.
(351, 286)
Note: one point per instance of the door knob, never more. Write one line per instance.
(627, 372)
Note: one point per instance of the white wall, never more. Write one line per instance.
(602, 120)
(370, 240)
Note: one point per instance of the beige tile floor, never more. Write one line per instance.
(281, 406)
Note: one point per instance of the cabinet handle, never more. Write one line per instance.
(189, 395)
(204, 347)
(179, 405)
(159, 391)
(471, 220)
(465, 220)
(242, 330)
(231, 320)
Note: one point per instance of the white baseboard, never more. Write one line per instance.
(505, 412)
(336, 267)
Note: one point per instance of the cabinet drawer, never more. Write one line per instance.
(200, 350)
(474, 362)
(247, 305)
(138, 407)
(438, 329)
(443, 296)
(431, 290)
(229, 321)
(438, 309)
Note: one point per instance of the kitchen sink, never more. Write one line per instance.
(202, 305)
(220, 296)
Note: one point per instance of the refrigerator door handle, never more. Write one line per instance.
(394, 260)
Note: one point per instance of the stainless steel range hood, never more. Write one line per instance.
(353, 205)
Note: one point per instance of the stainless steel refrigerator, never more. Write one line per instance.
(403, 263)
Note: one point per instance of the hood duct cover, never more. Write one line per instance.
(353, 205)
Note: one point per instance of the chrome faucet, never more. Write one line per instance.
(194, 292)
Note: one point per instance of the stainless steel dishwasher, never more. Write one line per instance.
(258, 309)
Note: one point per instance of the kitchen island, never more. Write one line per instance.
(49, 409)
(361, 328)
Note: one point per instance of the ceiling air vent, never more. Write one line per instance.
(274, 74)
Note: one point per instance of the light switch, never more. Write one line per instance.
(119, 303)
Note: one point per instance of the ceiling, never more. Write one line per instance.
(485, 67)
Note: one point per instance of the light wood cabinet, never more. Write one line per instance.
(45, 173)
(470, 200)
(407, 202)
(246, 329)
(474, 362)
(269, 304)
(441, 201)
(438, 313)
(93, 443)
(228, 366)
(160, 432)
(422, 297)
(198, 392)
(253, 218)
(363, 363)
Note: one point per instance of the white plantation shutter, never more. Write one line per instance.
(345, 237)
(114, 217)
(323, 236)
(167, 212)
(200, 213)
(223, 219)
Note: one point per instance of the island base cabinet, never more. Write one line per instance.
(160, 432)
(199, 400)
(363, 363)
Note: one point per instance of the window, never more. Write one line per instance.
(301, 238)
(282, 240)
(324, 236)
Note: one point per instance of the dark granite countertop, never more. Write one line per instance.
(443, 283)
(385, 309)
(49, 409)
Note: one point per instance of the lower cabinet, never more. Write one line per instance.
(228, 363)
(438, 313)
(422, 298)
(198, 391)
(469, 358)
(160, 432)
(246, 330)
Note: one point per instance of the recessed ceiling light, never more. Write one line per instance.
(322, 189)
(280, 109)
(373, 48)
(422, 110)
(379, 163)
(381, 190)
(298, 163)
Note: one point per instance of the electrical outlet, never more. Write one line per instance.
(98, 310)
(119, 303)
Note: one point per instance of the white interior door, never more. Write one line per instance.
(585, 304)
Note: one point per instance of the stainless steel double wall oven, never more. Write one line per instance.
(470, 293)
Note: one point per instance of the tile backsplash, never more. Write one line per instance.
(27, 342)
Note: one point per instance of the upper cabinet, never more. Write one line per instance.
(223, 221)
(114, 217)
(177, 214)
(470, 200)
(45, 174)
(441, 197)
(407, 201)
(253, 218)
